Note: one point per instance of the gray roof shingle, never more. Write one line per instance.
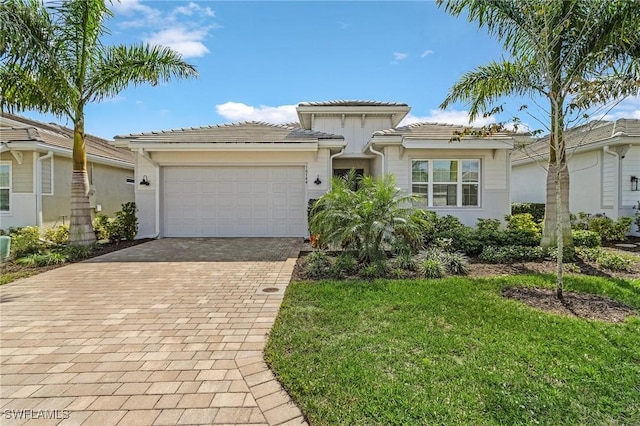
(431, 131)
(355, 103)
(245, 132)
(60, 137)
(581, 136)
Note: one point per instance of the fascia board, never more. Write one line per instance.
(612, 142)
(67, 153)
(506, 143)
(263, 147)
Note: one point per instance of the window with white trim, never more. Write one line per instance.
(5, 187)
(446, 183)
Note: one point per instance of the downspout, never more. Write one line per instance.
(381, 157)
(617, 185)
(331, 157)
(147, 157)
(39, 187)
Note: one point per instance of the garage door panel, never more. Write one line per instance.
(233, 201)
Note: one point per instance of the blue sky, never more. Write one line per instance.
(257, 60)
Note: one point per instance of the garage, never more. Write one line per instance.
(238, 201)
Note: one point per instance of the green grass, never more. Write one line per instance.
(12, 276)
(453, 351)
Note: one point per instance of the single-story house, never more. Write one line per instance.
(36, 167)
(255, 178)
(604, 168)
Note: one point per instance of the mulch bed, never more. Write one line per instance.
(581, 305)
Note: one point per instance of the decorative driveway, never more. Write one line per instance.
(167, 332)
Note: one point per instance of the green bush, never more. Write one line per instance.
(488, 225)
(432, 268)
(522, 222)
(506, 254)
(605, 259)
(455, 263)
(614, 262)
(451, 262)
(317, 265)
(345, 264)
(125, 224)
(536, 210)
(607, 228)
(404, 262)
(42, 259)
(101, 225)
(25, 241)
(375, 269)
(368, 218)
(583, 238)
(75, 252)
(57, 235)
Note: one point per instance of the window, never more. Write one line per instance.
(5, 187)
(446, 183)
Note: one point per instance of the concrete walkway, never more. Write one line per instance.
(167, 332)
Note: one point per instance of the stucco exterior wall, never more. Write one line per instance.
(528, 183)
(22, 179)
(630, 165)
(355, 134)
(112, 189)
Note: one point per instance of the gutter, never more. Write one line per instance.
(331, 157)
(39, 187)
(147, 157)
(381, 157)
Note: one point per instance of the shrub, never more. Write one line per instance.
(367, 219)
(606, 259)
(375, 269)
(101, 225)
(317, 265)
(57, 235)
(488, 225)
(583, 238)
(455, 263)
(125, 224)
(404, 261)
(25, 241)
(76, 252)
(42, 259)
(522, 222)
(345, 264)
(536, 210)
(451, 262)
(506, 254)
(614, 262)
(607, 228)
(432, 268)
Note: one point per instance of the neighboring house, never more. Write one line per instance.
(255, 179)
(36, 167)
(604, 167)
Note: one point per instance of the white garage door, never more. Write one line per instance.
(234, 202)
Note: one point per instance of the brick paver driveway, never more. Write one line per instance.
(167, 332)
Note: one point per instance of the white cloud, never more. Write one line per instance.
(237, 111)
(399, 56)
(426, 53)
(193, 8)
(627, 108)
(447, 117)
(189, 43)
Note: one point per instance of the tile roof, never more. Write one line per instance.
(245, 132)
(580, 136)
(430, 131)
(59, 136)
(355, 103)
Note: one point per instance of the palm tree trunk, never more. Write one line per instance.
(551, 219)
(80, 228)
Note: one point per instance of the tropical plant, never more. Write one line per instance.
(575, 54)
(367, 218)
(52, 60)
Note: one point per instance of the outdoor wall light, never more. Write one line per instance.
(634, 183)
(145, 181)
(318, 181)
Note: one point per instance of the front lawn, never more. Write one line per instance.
(454, 351)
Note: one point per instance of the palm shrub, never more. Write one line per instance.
(368, 218)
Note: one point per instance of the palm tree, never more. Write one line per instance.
(576, 54)
(52, 60)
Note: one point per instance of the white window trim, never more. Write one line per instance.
(51, 176)
(458, 182)
(10, 164)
